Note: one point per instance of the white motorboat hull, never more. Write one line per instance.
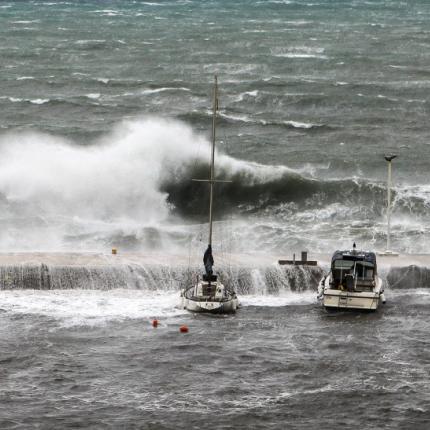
(341, 299)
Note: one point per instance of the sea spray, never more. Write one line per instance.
(133, 188)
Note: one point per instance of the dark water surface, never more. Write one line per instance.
(266, 367)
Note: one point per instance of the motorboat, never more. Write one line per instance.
(353, 282)
(208, 293)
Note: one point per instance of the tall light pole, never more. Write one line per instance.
(389, 159)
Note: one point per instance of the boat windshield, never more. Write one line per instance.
(340, 269)
(344, 264)
(364, 270)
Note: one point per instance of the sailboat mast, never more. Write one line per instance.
(212, 172)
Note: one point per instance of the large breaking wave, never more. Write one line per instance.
(136, 182)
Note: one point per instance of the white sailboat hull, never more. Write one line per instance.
(210, 298)
(226, 307)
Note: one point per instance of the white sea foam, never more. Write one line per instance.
(286, 299)
(297, 124)
(92, 307)
(299, 22)
(108, 12)
(33, 101)
(299, 52)
(93, 95)
(300, 55)
(25, 22)
(25, 78)
(164, 89)
(89, 41)
(409, 192)
(242, 96)
(38, 101)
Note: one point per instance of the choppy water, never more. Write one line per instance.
(104, 120)
(92, 360)
(105, 117)
(78, 350)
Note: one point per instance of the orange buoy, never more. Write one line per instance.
(183, 329)
(155, 323)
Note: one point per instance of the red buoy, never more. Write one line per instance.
(183, 329)
(155, 323)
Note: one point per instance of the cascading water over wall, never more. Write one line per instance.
(264, 280)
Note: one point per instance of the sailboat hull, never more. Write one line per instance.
(225, 307)
(209, 297)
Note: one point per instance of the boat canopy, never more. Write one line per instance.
(368, 257)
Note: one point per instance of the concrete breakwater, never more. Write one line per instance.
(247, 274)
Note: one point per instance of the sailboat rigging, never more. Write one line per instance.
(209, 294)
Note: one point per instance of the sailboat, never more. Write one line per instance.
(208, 294)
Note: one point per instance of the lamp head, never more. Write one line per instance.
(390, 157)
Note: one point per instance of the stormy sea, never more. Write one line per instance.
(105, 119)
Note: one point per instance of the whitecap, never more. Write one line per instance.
(38, 101)
(93, 95)
(161, 90)
(24, 78)
(247, 93)
(87, 41)
(301, 55)
(297, 124)
(299, 22)
(25, 22)
(34, 101)
(300, 52)
(229, 117)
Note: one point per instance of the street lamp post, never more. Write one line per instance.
(389, 159)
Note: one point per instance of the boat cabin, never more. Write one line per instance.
(209, 289)
(353, 271)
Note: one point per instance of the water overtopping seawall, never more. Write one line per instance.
(245, 280)
(51, 271)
